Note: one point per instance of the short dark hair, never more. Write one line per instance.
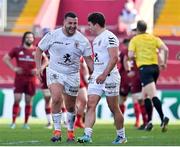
(97, 18)
(141, 26)
(25, 34)
(70, 14)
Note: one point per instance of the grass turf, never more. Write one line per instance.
(103, 135)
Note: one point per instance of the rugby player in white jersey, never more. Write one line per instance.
(65, 45)
(104, 80)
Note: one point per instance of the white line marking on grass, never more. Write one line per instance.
(21, 142)
(146, 137)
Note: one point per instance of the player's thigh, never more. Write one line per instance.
(124, 90)
(112, 102)
(136, 97)
(93, 100)
(19, 85)
(30, 87)
(150, 90)
(112, 84)
(56, 91)
(136, 89)
(71, 84)
(82, 95)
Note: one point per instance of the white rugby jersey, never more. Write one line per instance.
(101, 44)
(65, 51)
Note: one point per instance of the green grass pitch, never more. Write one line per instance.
(103, 135)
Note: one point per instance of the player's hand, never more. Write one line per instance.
(100, 79)
(162, 66)
(131, 74)
(39, 73)
(33, 71)
(18, 70)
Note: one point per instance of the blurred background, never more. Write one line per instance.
(162, 16)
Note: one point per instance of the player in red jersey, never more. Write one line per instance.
(44, 87)
(45, 90)
(81, 100)
(25, 75)
(130, 82)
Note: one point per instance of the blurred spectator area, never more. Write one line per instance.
(22, 15)
(35, 15)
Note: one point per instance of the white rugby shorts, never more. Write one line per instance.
(70, 82)
(110, 87)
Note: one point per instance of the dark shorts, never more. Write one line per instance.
(148, 74)
(132, 85)
(25, 85)
(44, 81)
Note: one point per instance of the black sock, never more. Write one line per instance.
(158, 106)
(149, 108)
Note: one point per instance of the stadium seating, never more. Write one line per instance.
(27, 16)
(169, 21)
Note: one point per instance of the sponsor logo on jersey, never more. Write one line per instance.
(67, 58)
(21, 53)
(76, 44)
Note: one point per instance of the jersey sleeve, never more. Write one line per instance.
(112, 41)
(46, 42)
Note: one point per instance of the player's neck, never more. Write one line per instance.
(100, 31)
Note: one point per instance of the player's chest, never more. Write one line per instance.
(99, 46)
(24, 55)
(66, 46)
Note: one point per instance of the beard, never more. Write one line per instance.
(28, 43)
(70, 32)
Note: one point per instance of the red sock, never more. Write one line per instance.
(15, 112)
(63, 109)
(78, 117)
(28, 109)
(48, 110)
(122, 108)
(144, 114)
(137, 111)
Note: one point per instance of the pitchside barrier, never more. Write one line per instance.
(170, 101)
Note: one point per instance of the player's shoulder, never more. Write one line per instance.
(17, 48)
(55, 32)
(109, 35)
(81, 37)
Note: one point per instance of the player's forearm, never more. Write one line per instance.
(166, 53)
(90, 64)
(7, 61)
(126, 64)
(130, 55)
(111, 64)
(10, 65)
(38, 58)
(44, 64)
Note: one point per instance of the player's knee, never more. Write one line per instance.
(91, 106)
(122, 99)
(56, 100)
